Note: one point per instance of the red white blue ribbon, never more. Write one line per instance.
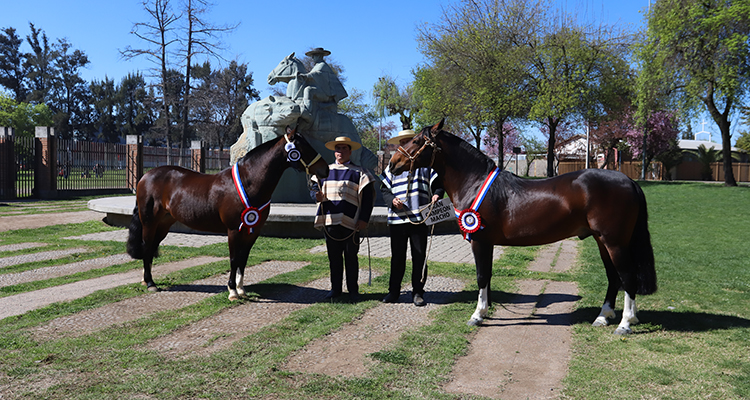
(251, 215)
(469, 219)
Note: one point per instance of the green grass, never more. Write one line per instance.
(694, 335)
(692, 341)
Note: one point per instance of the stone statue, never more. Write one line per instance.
(311, 102)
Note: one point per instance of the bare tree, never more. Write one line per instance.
(200, 38)
(157, 33)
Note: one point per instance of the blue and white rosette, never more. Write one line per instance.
(292, 154)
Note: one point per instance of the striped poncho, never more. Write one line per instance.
(414, 200)
(343, 190)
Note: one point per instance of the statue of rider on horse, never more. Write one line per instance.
(311, 102)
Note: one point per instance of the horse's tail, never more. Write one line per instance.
(135, 236)
(641, 251)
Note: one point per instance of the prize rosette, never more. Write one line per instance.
(292, 153)
(250, 218)
(469, 221)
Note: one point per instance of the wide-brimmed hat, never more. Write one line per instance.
(318, 50)
(405, 134)
(343, 140)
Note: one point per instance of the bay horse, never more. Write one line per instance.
(498, 208)
(215, 202)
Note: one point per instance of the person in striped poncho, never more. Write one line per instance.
(346, 199)
(406, 224)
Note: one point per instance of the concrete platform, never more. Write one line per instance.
(285, 220)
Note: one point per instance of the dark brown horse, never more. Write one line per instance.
(213, 203)
(512, 211)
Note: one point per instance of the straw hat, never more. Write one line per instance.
(343, 140)
(407, 134)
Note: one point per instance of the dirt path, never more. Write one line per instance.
(522, 351)
(40, 220)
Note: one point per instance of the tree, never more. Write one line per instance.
(395, 100)
(40, 67)
(573, 71)
(12, 72)
(743, 142)
(23, 117)
(476, 64)
(699, 51)
(706, 157)
(661, 132)
(103, 117)
(199, 38)
(158, 35)
(135, 105)
(220, 100)
(71, 92)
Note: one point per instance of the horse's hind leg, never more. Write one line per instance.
(152, 236)
(483, 259)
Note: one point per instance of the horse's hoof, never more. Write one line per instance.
(153, 288)
(233, 297)
(474, 322)
(600, 322)
(623, 331)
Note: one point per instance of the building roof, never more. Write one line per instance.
(685, 144)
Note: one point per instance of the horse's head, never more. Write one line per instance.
(419, 152)
(286, 70)
(303, 156)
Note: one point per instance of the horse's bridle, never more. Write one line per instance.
(427, 142)
(306, 165)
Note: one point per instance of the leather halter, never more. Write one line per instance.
(427, 142)
(306, 165)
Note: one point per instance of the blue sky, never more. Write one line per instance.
(368, 38)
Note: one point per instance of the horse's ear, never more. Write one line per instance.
(435, 129)
(291, 56)
(290, 131)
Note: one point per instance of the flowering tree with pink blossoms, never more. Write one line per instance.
(661, 136)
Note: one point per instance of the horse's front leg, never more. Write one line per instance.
(613, 278)
(239, 249)
(483, 259)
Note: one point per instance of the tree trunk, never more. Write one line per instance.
(552, 125)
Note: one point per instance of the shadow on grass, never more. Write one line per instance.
(672, 320)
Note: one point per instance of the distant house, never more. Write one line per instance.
(684, 144)
(690, 167)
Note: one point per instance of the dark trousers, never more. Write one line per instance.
(342, 253)
(417, 236)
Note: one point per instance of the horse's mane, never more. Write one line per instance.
(473, 161)
(258, 151)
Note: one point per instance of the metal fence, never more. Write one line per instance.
(17, 163)
(88, 165)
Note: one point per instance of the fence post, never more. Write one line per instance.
(135, 160)
(198, 155)
(45, 176)
(8, 166)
